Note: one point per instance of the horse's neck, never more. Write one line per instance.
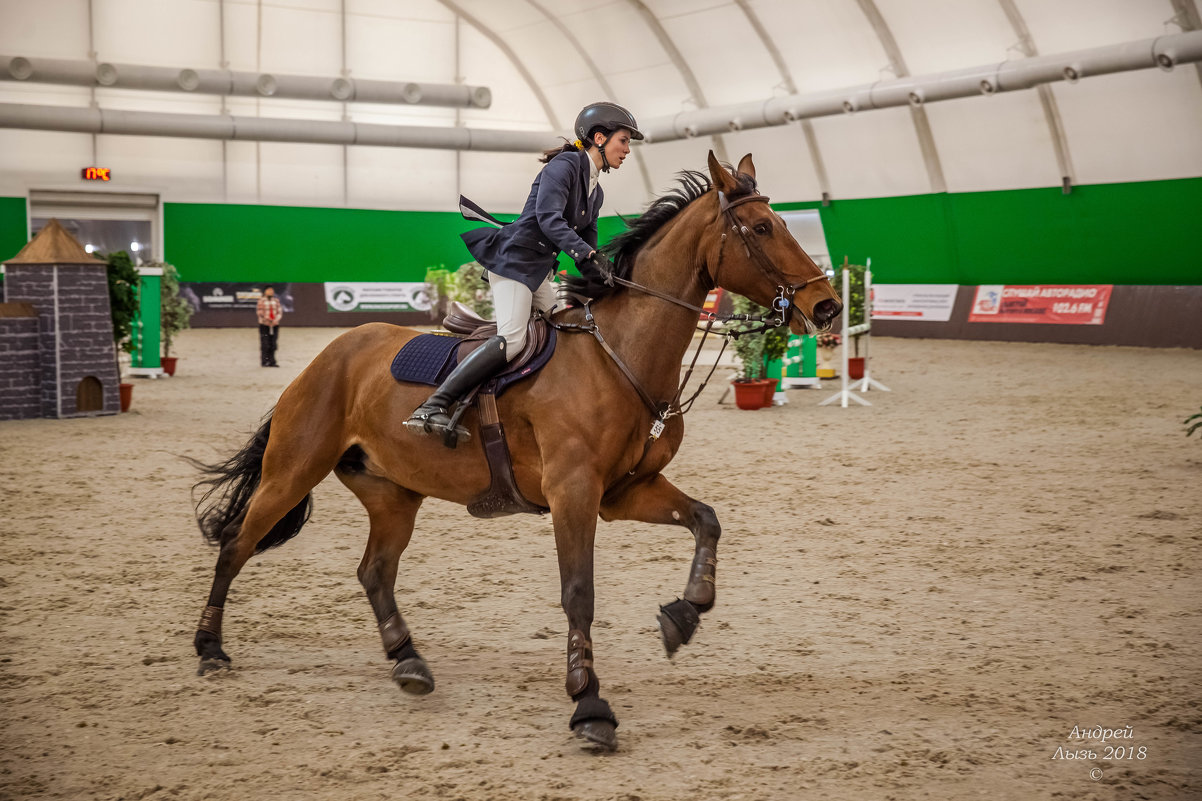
(651, 334)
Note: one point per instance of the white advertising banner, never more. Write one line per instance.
(926, 302)
(346, 296)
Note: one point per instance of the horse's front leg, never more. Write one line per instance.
(574, 501)
(655, 500)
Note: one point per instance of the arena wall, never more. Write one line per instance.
(1136, 234)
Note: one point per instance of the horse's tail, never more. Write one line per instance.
(231, 483)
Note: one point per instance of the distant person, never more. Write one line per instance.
(270, 312)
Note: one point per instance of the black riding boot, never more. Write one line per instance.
(479, 366)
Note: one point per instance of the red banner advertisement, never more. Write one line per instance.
(1063, 305)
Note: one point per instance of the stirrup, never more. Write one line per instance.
(421, 421)
(437, 421)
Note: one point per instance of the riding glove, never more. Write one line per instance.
(597, 264)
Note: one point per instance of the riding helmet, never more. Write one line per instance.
(607, 117)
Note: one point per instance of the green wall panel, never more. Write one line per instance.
(219, 242)
(904, 236)
(13, 226)
(1134, 233)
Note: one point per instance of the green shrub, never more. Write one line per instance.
(465, 285)
(176, 313)
(123, 297)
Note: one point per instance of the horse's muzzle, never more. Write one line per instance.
(825, 311)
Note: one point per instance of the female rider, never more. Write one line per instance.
(560, 215)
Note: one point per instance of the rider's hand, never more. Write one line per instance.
(598, 265)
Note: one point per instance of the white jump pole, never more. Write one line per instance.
(845, 393)
(867, 381)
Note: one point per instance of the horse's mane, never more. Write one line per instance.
(623, 247)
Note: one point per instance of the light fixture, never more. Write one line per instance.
(135, 246)
(90, 248)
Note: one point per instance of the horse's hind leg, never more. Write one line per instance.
(273, 499)
(657, 500)
(391, 510)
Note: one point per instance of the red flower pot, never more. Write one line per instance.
(127, 396)
(169, 364)
(749, 395)
(855, 367)
(769, 390)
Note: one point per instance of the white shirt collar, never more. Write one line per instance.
(594, 174)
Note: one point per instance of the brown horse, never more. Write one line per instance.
(578, 431)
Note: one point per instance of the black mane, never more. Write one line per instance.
(622, 248)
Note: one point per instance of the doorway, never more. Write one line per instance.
(103, 222)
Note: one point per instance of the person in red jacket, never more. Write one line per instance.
(269, 311)
(560, 214)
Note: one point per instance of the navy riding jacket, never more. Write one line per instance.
(558, 216)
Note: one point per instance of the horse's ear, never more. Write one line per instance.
(720, 177)
(746, 167)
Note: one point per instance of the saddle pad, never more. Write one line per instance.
(425, 358)
(429, 358)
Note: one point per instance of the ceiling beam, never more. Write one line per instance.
(922, 126)
(1187, 18)
(504, 47)
(1051, 111)
(807, 127)
(601, 80)
(682, 66)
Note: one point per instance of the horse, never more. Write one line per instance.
(582, 432)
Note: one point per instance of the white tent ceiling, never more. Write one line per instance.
(544, 59)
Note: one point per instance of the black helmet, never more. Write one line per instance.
(606, 116)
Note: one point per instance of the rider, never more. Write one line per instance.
(560, 215)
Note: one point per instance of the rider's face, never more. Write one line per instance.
(617, 147)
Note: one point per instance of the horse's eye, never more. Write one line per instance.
(762, 228)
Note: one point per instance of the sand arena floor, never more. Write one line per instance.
(921, 599)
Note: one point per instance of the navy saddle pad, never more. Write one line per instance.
(429, 358)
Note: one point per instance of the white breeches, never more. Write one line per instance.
(514, 301)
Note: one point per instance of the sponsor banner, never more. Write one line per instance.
(925, 302)
(231, 295)
(1059, 304)
(345, 296)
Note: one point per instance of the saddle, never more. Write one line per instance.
(476, 330)
(428, 358)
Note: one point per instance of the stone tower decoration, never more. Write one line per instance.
(57, 357)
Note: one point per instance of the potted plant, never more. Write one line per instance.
(749, 350)
(855, 316)
(175, 314)
(123, 304)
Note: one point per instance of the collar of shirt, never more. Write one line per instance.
(594, 175)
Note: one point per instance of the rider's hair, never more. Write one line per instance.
(567, 147)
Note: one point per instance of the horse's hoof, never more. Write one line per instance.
(677, 623)
(211, 664)
(413, 676)
(598, 735)
(670, 634)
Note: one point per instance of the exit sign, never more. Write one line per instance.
(97, 174)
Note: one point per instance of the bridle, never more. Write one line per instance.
(783, 304)
(783, 307)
